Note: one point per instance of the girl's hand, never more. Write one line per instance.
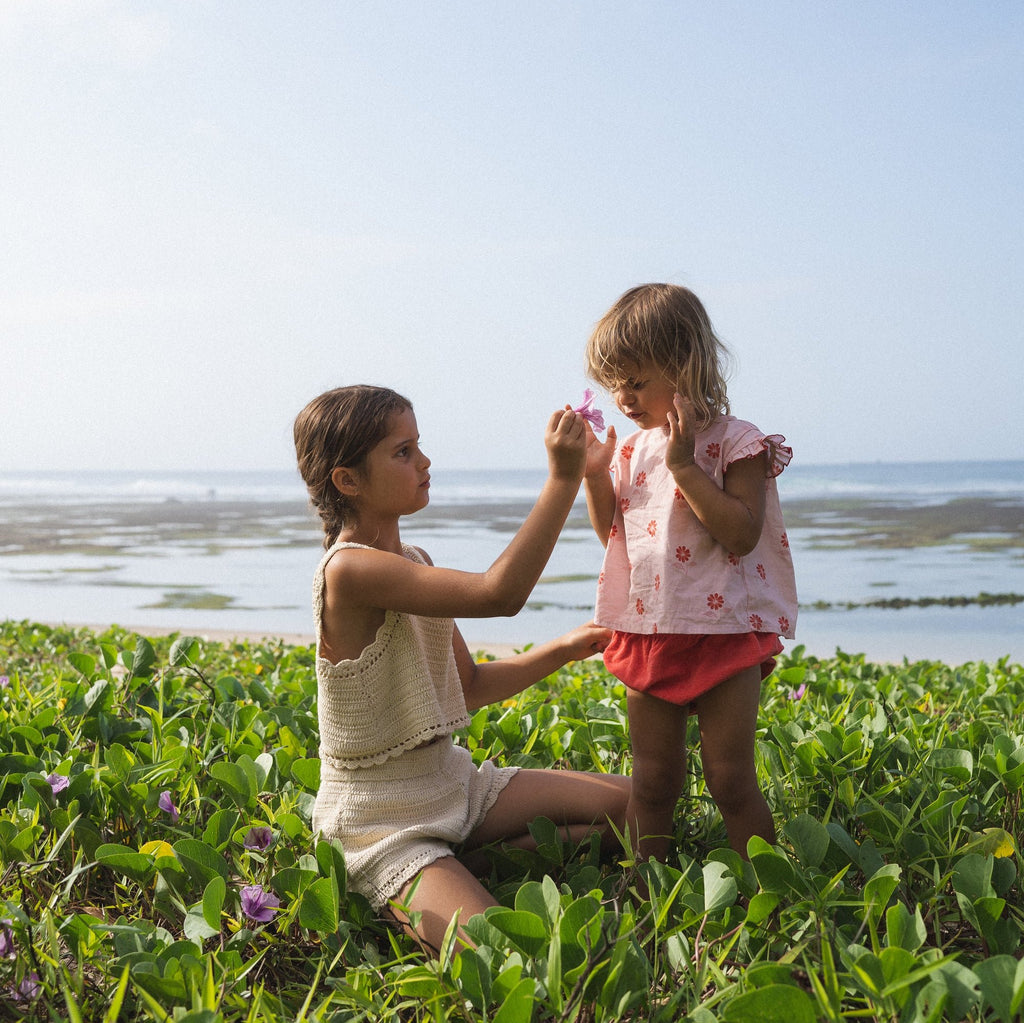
(599, 453)
(566, 441)
(682, 432)
(585, 641)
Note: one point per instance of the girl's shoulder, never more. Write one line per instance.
(729, 439)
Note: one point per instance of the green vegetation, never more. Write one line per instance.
(156, 861)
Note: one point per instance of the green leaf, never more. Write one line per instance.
(201, 862)
(213, 902)
(196, 926)
(318, 909)
(83, 663)
(307, 773)
(526, 931)
(138, 866)
(517, 1006)
(776, 1003)
(720, 887)
(810, 839)
(234, 781)
(1002, 985)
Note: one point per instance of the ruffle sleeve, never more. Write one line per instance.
(779, 453)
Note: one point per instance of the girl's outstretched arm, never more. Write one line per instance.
(372, 578)
(733, 515)
(597, 483)
(492, 681)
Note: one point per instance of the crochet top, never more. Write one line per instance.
(402, 691)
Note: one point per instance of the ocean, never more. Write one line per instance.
(893, 560)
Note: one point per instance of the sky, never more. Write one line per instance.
(210, 212)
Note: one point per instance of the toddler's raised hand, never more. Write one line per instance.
(682, 432)
(566, 441)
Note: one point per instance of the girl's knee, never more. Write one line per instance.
(656, 784)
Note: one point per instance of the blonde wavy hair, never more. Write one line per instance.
(666, 325)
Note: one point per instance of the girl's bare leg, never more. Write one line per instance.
(658, 736)
(728, 725)
(579, 801)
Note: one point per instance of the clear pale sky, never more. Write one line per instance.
(210, 212)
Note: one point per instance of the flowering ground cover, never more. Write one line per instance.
(156, 860)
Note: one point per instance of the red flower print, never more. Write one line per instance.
(678, 495)
(652, 527)
(639, 606)
(761, 572)
(654, 628)
(613, 532)
(626, 451)
(783, 623)
(600, 579)
(683, 554)
(733, 560)
(713, 450)
(657, 582)
(641, 479)
(756, 623)
(624, 504)
(716, 601)
(785, 540)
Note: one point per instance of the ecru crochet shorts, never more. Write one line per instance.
(395, 818)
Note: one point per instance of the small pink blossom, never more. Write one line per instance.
(258, 839)
(167, 805)
(58, 782)
(5, 681)
(259, 904)
(798, 693)
(592, 415)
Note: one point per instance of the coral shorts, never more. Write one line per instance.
(679, 668)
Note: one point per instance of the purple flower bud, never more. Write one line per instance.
(798, 693)
(6, 939)
(167, 805)
(58, 782)
(258, 839)
(29, 988)
(257, 904)
(4, 681)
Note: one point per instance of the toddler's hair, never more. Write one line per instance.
(664, 324)
(339, 428)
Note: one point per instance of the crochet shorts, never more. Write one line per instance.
(679, 668)
(395, 818)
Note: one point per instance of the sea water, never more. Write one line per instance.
(109, 549)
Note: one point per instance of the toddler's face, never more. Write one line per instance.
(645, 396)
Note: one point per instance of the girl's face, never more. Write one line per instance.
(394, 480)
(645, 396)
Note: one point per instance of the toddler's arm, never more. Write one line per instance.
(492, 681)
(733, 515)
(597, 483)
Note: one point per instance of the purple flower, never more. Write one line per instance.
(167, 805)
(29, 988)
(798, 693)
(58, 782)
(258, 839)
(258, 904)
(592, 415)
(6, 939)
(4, 681)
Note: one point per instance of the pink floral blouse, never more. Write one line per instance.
(662, 570)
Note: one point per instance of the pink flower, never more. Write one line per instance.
(258, 839)
(167, 805)
(58, 782)
(798, 693)
(259, 904)
(592, 415)
(5, 681)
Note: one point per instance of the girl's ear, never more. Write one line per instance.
(345, 481)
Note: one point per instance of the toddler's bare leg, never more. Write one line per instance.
(658, 737)
(728, 725)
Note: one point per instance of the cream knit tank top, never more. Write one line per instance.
(402, 691)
